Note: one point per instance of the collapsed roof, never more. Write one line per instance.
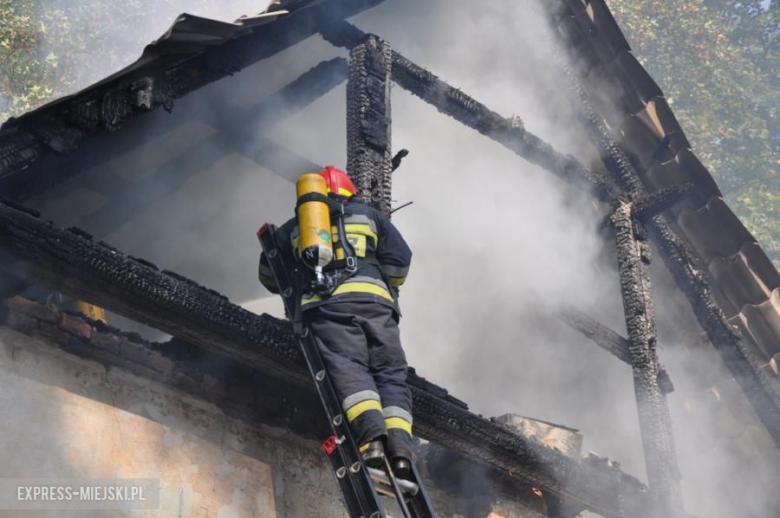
(41, 149)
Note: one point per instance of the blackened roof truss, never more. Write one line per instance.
(72, 263)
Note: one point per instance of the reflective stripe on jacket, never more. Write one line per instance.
(383, 257)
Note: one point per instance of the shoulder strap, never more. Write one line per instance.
(334, 205)
(349, 250)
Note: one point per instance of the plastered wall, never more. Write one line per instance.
(71, 417)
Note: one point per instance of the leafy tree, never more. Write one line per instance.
(51, 48)
(26, 78)
(718, 62)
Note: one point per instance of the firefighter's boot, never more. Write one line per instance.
(373, 453)
(402, 467)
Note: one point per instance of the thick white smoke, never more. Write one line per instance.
(499, 244)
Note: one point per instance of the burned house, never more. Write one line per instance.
(222, 410)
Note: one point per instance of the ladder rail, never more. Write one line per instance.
(420, 504)
(399, 495)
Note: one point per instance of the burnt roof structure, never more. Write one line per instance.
(652, 182)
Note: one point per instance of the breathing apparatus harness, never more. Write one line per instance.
(325, 280)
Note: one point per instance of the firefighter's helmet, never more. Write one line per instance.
(338, 182)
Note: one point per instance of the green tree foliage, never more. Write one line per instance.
(718, 62)
(45, 49)
(26, 77)
(51, 48)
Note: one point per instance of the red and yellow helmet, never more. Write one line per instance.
(338, 182)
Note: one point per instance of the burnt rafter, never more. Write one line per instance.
(634, 257)
(602, 335)
(369, 120)
(651, 205)
(69, 262)
(154, 81)
(633, 253)
(608, 340)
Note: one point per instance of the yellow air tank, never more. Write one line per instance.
(92, 311)
(314, 223)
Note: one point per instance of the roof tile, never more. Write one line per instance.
(644, 86)
(571, 31)
(741, 323)
(707, 236)
(738, 282)
(607, 27)
(763, 323)
(696, 173)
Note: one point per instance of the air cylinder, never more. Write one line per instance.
(314, 223)
(93, 312)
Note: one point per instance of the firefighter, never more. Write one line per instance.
(354, 316)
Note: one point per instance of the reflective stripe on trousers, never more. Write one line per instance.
(360, 344)
(397, 417)
(360, 402)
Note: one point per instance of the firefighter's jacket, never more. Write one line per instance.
(383, 257)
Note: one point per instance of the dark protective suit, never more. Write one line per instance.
(356, 327)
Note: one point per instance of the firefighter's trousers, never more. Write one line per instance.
(360, 344)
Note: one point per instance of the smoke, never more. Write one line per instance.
(499, 244)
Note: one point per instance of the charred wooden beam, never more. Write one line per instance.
(744, 365)
(633, 253)
(600, 334)
(463, 108)
(238, 131)
(608, 340)
(69, 262)
(634, 257)
(369, 155)
(651, 205)
(106, 107)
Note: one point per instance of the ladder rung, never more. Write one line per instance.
(380, 477)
